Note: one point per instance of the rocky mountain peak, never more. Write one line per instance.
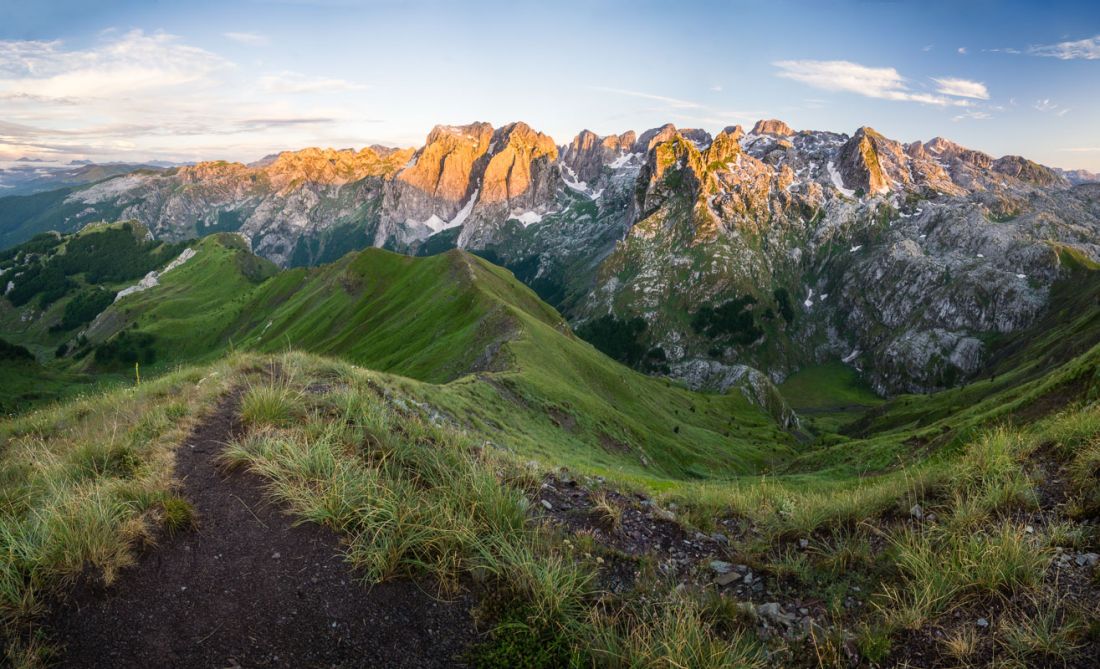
(871, 162)
(333, 166)
(588, 153)
(442, 167)
(726, 145)
(654, 136)
(700, 138)
(474, 133)
(674, 166)
(1029, 171)
(945, 149)
(735, 131)
(773, 127)
(522, 137)
(508, 174)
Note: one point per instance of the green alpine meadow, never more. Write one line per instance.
(722, 391)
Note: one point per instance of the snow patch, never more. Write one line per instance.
(855, 248)
(838, 180)
(528, 218)
(809, 299)
(437, 224)
(574, 184)
(851, 356)
(622, 160)
(464, 212)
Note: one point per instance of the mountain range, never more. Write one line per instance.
(679, 252)
(207, 449)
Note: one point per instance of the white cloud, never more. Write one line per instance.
(973, 115)
(927, 47)
(874, 82)
(962, 50)
(133, 63)
(139, 96)
(963, 88)
(1084, 49)
(717, 88)
(295, 82)
(250, 39)
(1045, 105)
(675, 103)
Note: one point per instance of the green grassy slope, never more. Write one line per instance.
(464, 336)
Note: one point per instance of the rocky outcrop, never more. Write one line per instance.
(673, 167)
(512, 174)
(588, 154)
(773, 127)
(726, 146)
(1026, 170)
(437, 180)
(871, 163)
(654, 136)
(465, 176)
(754, 386)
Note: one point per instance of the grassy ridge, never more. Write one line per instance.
(472, 341)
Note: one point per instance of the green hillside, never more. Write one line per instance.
(462, 335)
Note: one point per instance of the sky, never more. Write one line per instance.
(239, 79)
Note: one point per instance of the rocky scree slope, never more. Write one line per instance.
(773, 249)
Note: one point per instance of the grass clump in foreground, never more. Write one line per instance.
(416, 497)
(80, 486)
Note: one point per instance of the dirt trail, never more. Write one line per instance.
(249, 589)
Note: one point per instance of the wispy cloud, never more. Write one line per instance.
(250, 39)
(884, 83)
(137, 94)
(296, 82)
(1084, 49)
(672, 102)
(1046, 105)
(972, 115)
(717, 88)
(963, 88)
(962, 51)
(134, 63)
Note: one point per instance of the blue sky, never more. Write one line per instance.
(236, 80)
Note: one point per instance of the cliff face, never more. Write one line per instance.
(808, 245)
(471, 177)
